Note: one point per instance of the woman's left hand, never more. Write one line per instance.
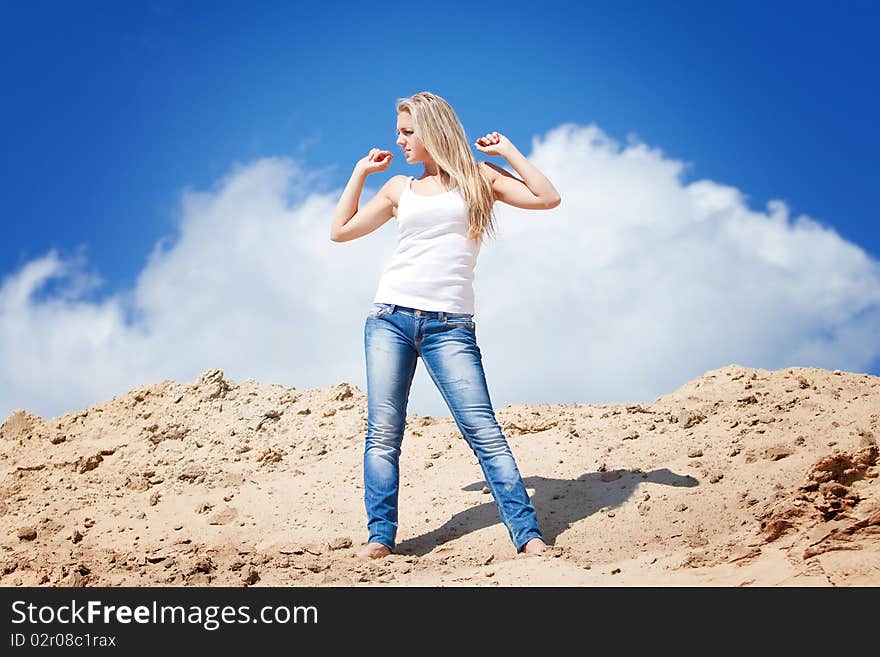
(494, 143)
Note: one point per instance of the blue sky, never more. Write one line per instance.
(114, 110)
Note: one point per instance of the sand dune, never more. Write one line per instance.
(740, 477)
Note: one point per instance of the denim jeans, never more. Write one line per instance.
(394, 338)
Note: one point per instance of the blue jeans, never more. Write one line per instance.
(394, 338)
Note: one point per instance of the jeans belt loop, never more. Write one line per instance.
(391, 310)
(442, 317)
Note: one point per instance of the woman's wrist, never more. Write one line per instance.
(509, 152)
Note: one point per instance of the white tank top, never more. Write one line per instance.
(433, 267)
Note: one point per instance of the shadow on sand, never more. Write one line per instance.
(559, 503)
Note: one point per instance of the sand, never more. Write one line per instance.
(741, 477)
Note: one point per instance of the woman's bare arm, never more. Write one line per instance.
(533, 192)
(348, 221)
(365, 220)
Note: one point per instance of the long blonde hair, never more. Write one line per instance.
(443, 136)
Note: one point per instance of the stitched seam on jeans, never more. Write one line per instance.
(495, 495)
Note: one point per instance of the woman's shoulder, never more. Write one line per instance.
(394, 187)
(489, 170)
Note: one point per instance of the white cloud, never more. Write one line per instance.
(637, 283)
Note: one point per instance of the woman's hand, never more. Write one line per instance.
(494, 143)
(377, 160)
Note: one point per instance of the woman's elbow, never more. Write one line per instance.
(340, 233)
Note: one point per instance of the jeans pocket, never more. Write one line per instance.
(378, 310)
(459, 321)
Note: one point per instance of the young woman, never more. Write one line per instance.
(424, 305)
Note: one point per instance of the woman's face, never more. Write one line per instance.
(413, 149)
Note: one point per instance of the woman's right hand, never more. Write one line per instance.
(376, 160)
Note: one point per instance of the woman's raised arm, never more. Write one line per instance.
(350, 223)
(533, 192)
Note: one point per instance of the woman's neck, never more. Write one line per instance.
(441, 176)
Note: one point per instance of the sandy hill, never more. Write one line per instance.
(740, 477)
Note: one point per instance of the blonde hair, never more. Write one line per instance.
(444, 138)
